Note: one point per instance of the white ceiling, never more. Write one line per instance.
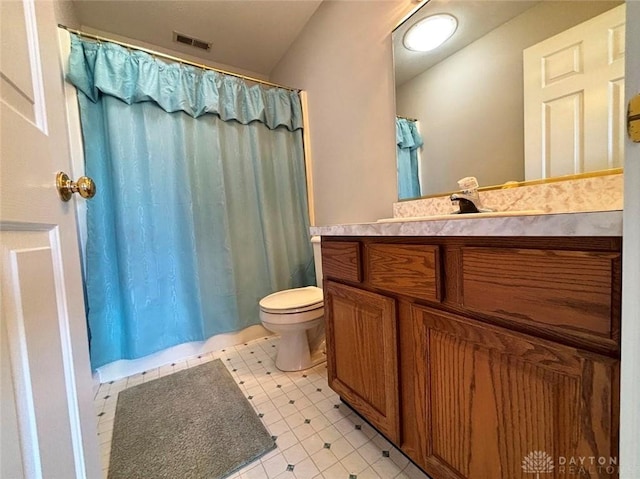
(251, 35)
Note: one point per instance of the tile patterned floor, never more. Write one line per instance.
(318, 437)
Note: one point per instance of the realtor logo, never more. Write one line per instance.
(537, 462)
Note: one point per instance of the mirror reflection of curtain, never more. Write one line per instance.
(408, 140)
(201, 207)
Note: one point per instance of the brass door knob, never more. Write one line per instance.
(67, 187)
(633, 119)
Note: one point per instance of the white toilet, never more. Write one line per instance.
(297, 315)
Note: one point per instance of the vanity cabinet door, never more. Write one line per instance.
(492, 397)
(362, 356)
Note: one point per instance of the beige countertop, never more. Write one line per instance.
(598, 223)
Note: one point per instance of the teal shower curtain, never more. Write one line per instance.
(201, 207)
(408, 140)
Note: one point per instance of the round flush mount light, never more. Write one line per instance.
(430, 32)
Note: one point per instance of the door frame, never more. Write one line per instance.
(630, 347)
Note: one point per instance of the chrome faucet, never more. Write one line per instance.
(468, 200)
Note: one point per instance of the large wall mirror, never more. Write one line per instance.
(522, 90)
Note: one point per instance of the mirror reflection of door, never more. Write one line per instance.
(574, 99)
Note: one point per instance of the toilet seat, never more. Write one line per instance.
(291, 301)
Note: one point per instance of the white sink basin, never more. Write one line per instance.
(469, 216)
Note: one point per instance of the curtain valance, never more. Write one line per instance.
(407, 135)
(135, 76)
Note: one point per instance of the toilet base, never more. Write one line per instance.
(294, 355)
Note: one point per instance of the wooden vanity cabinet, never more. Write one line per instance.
(362, 354)
(493, 396)
(470, 353)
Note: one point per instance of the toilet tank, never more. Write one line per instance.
(317, 259)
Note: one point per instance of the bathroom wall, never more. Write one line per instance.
(343, 59)
(470, 105)
(66, 14)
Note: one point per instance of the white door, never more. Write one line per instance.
(48, 426)
(574, 99)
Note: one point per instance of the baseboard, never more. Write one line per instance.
(123, 368)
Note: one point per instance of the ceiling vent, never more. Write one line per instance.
(194, 42)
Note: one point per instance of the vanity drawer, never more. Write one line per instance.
(576, 291)
(341, 260)
(411, 270)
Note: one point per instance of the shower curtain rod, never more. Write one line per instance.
(406, 118)
(172, 58)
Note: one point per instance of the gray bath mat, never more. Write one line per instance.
(193, 424)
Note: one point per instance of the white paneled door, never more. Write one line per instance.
(47, 423)
(574, 99)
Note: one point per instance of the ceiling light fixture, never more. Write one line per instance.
(430, 32)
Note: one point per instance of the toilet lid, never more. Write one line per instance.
(309, 297)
